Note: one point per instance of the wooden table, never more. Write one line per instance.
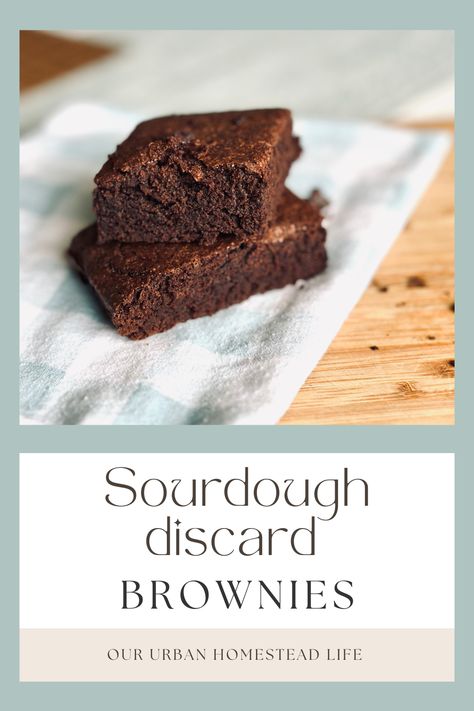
(393, 360)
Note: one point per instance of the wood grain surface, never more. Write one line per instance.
(393, 360)
(45, 56)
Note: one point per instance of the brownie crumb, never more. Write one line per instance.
(431, 338)
(451, 306)
(451, 363)
(380, 287)
(318, 200)
(374, 348)
(415, 282)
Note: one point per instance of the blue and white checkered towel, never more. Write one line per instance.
(243, 365)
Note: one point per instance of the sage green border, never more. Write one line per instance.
(245, 14)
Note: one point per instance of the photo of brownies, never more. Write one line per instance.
(193, 216)
(236, 227)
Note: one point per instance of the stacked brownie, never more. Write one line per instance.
(193, 216)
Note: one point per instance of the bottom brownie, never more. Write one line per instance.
(148, 288)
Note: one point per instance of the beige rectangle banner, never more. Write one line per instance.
(236, 655)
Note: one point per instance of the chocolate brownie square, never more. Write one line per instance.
(147, 288)
(196, 178)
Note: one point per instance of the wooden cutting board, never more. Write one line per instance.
(393, 360)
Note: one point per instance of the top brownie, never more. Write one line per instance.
(196, 178)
